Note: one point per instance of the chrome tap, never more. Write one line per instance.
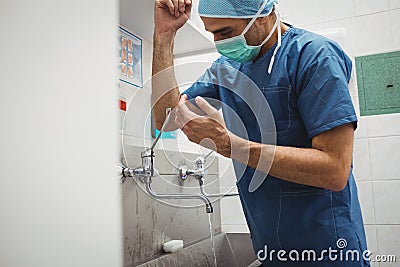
(143, 171)
(146, 171)
(198, 172)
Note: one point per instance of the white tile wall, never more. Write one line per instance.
(181, 143)
(226, 172)
(231, 211)
(361, 131)
(393, 4)
(372, 241)
(384, 125)
(356, 106)
(366, 198)
(389, 242)
(316, 11)
(361, 164)
(364, 7)
(353, 82)
(387, 199)
(384, 157)
(395, 24)
(362, 33)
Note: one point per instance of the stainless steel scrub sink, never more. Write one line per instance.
(232, 250)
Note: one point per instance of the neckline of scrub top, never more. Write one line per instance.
(252, 64)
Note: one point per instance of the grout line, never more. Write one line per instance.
(386, 180)
(391, 29)
(383, 224)
(351, 17)
(383, 136)
(373, 192)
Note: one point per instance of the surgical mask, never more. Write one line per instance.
(237, 49)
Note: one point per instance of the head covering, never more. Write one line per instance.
(234, 8)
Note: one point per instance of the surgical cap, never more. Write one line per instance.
(234, 8)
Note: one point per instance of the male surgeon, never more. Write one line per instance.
(305, 211)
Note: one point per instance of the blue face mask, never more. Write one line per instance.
(237, 49)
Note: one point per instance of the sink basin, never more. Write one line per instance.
(232, 249)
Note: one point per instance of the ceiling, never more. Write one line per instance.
(137, 16)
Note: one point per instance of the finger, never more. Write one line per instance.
(183, 99)
(205, 106)
(188, 8)
(170, 6)
(185, 115)
(182, 6)
(181, 117)
(185, 110)
(176, 7)
(195, 109)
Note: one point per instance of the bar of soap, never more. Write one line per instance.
(173, 246)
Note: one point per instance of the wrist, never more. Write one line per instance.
(239, 148)
(164, 37)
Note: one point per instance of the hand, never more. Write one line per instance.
(171, 15)
(208, 130)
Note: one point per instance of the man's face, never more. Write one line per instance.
(224, 28)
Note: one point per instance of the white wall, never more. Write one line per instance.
(59, 195)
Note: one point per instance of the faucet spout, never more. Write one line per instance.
(205, 199)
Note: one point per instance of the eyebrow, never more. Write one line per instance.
(222, 29)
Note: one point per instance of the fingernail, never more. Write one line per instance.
(182, 9)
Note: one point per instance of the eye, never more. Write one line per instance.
(226, 33)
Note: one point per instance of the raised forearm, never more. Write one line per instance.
(165, 92)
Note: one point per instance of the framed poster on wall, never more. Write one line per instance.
(130, 58)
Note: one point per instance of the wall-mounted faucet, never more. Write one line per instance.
(198, 172)
(146, 171)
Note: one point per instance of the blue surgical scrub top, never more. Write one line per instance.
(307, 92)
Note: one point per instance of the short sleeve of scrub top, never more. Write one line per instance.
(206, 85)
(324, 100)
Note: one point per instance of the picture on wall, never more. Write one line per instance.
(130, 58)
